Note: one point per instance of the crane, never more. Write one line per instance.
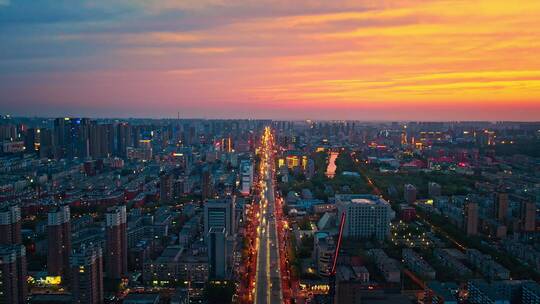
(332, 277)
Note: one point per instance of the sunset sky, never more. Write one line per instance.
(284, 59)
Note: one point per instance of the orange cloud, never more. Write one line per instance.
(383, 55)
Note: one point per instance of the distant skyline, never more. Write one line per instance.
(307, 59)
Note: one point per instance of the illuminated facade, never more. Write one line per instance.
(366, 216)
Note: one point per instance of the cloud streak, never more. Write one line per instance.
(347, 59)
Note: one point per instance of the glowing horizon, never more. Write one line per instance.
(365, 60)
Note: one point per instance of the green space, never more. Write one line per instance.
(323, 187)
(526, 147)
(451, 183)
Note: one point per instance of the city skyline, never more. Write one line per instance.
(343, 60)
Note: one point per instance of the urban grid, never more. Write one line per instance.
(260, 211)
(270, 152)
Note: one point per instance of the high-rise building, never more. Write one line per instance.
(87, 275)
(13, 286)
(165, 188)
(501, 205)
(59, 241)
(116, 238)
(59, 137)
(207, 188)
(101, 140)
(366, 216)
(217, 252)
(10, 225)
(219, 213)
(409, 193)
(71, 137)
(123, 139)
(528, 216)
(31, 139)
(46, 144)
(8, 132)
(246, 176)
(470, 215)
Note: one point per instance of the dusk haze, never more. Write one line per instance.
(367, 60)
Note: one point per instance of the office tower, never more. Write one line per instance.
(528, 216)
(217, 252)
(220, 214)
(165, 187)
(470, 216)
(501, 205)
(409, 193)
(207, 190)
(246, 176)
(13, 286)
(124, 139)
(116, 238)
(366, 216)
(10, 225)
(87, 275)
(59, 241)
(434, 190)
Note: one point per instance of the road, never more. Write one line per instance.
(268, 275)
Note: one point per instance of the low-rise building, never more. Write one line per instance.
(417, 264)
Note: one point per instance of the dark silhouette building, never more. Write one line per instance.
(10, 225)
(116, 237)
(13, 286)
(87, 275)
(59, 241)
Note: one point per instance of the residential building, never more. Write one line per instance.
(13, 274)
(10, 225)
(87, 275)
(59, 241)
(116, 242)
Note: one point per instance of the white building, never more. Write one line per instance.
(366, 216)
(246, 176)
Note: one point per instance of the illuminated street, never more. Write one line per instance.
(268, 278)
